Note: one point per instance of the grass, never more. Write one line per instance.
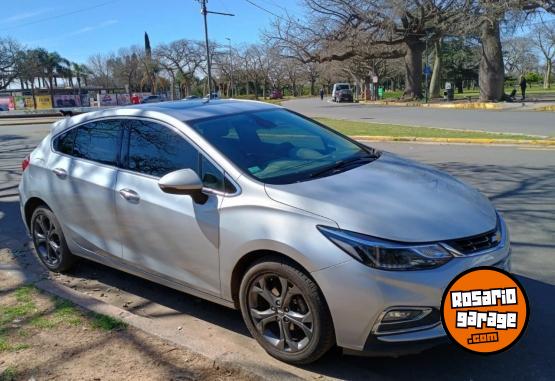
(21, 317)
(107, 323)
(353, 128)
(9, 374)
(64, 312)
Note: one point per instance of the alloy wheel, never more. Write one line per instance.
(280, 312)
(47, 240)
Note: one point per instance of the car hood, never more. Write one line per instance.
(395, 199)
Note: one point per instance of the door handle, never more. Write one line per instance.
(130, 195)
(61, 173)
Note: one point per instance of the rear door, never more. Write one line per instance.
(165, 234)
(84, 172)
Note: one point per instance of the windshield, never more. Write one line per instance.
(280, 147)
(341, 87)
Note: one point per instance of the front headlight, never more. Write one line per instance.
(385, 255)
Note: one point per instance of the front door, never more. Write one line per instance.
(165, 234)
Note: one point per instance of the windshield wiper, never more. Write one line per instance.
(342, 164)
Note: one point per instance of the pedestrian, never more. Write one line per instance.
(321, 93)
(523, 86)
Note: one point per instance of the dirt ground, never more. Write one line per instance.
(45, 338)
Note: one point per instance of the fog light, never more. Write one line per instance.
(405, 319)
(402, 315)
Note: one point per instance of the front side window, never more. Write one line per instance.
(157, 150)
(280, 147)
(213, 178)
(97, 141)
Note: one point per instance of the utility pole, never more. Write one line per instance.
(230, 66)
(204, 12)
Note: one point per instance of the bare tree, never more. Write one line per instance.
(101, 73)
(543, 37)
(343, 29)
(9, 50)
(519, 56)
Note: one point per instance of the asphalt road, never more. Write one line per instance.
(524, 122)
(519, 181)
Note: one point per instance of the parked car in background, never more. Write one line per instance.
(276, 94)
(342, 92)
(191, 97)
(4, 107)
(212, 96)
(318, 239)
(152, 99)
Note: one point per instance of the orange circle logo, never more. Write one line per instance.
(485, 310)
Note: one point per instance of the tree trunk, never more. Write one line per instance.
(51, 82)
(547, 77)
(33, 93)
(435, 85)
(459, 86)
(492, 72)
(413, 67)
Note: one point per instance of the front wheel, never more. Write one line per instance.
(285, 312)
(49, 241)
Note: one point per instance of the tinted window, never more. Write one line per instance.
(64, 142)
(98, 141)
(157, 150)
(213, 178)
(278, 146)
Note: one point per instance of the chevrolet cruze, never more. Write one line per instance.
(319, 240)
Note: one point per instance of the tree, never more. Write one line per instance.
(519, 56)
(53, 65)
(543, 37)
(100, 71)
(9, 57)
(125, 68)
(182, 59)
(461, 60)
(368, 29)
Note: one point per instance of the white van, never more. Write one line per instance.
(341, 92)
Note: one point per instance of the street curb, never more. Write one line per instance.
(221, 358)
(546, 108)
(491, 106)
(543, 143)
(30, 121)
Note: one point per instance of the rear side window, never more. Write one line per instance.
(64, 142)
(157, 150)
(99, 141)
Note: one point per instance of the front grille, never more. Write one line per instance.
(477, 243)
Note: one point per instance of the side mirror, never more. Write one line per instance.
(183, 181)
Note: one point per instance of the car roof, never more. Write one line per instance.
(183, 110)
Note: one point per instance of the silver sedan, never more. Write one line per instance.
(316, 238)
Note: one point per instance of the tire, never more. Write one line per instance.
(49, 241)
(294, 327)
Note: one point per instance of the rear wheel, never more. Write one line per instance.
(49, 241)
(285, 312)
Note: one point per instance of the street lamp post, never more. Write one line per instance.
(230, 67)
(204, 13)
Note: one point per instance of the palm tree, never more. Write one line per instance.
(80, 72)
(53, 65)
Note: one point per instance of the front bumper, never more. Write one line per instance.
(358, 295)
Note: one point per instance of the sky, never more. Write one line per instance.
(79, 29)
